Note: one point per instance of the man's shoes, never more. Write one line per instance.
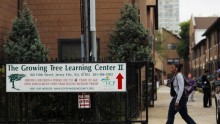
(206, 106)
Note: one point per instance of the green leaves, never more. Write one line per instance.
(183, 46)
(23, 42)
(128, 41)
(16, 77)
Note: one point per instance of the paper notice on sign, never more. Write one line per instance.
(84, 101)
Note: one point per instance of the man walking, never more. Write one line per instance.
(178, 102)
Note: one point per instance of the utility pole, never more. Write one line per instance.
(86, 28)
(82, 31)
(94, 47)
(84, 39)
(93, 30)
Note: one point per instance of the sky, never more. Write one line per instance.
(201, 8)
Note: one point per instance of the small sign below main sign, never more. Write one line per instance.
(84, 101)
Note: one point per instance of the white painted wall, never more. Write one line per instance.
(198, 35)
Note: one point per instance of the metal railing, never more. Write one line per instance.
(48, 108)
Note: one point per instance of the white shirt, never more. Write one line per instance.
(178, 85)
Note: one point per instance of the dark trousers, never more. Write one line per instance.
(182, 110)
(207, 98)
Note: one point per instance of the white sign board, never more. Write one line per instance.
(68, 77)
(84, 101)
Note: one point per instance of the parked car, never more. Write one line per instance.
(199, 82)
(217, 100)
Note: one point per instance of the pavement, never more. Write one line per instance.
(158, 113)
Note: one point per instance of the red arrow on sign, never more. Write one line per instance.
(119, 77)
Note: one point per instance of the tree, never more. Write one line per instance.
(183, 46)
(23, 42)
(15, 77)
(160, 46)
(129, 39)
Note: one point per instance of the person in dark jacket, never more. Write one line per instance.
(206, 90)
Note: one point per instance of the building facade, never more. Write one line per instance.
(59, 22)
(169, 15)
(213, 49)
(8, 11)
(200, 46)
(170, 55)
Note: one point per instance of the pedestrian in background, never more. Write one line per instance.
(206, 90)
(192, 82)
(156, 81)
(178, 102)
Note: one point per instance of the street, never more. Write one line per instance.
(158, 113)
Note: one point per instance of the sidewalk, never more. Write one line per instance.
(158, 113)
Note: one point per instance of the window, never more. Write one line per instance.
(176, 61)
(194, 54)
(171, 46)
(171, 61)
(71, 48)
(215, 38)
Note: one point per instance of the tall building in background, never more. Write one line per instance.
(169, 15)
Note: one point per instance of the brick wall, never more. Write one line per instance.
(151, 2)
(56, 19)
(8, 11)
(108, 11)
(169, 38)
(60, 19)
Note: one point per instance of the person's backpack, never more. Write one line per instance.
(188, 88)
(172, 91)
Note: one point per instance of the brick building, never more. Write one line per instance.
(59, 25)
(59, 22)
(202, 48)
(213, 39)
(170, 55)
(8, 11)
